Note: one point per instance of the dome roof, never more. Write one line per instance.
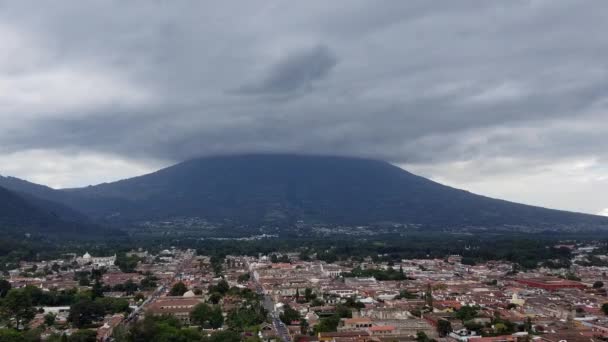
(86, 256)
(189, 294)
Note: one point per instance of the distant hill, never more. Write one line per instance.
(45, 198)
(21, 214)
(286, 188)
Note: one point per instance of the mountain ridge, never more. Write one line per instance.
(27, 214)
(258, 188)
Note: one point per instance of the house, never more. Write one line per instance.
(105, 331)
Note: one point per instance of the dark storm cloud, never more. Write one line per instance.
(414, 82)
(295, 72)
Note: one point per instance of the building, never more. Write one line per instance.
(179, 307)
(87, 259)
(551, 284)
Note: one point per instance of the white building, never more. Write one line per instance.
(96, 261)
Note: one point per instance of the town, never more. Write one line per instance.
(292, 296)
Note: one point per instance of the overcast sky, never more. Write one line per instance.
(503, 98)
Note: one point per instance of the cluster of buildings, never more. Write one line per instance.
(544, 305)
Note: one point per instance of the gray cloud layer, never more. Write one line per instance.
(517, 84)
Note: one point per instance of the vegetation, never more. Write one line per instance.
(605, 308)
(125, 263)
(289, 315)
(444, 327)
(466, 313)
(178, 289)
(207, 317)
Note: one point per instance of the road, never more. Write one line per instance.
(160, 291)
(274, 315)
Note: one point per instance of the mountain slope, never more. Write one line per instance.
(20, 214)
(256, 188)
(44, 197)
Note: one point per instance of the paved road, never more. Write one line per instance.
(160, 291)
(274, 315)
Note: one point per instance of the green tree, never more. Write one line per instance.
(149, 282)
(96, 290)
(289, 315)
(113, 305)
(243, 278)
(222, 287)
(327, 324)
(444, 327)
(130, 287)
(224, 336)
(10, 335)
(126, 264)
(18, 305)
(500, 328)
(85, 312)
(466, 313)
(304, 326)
(598, 285)
(5, 286)
(605, 308)
(422, 337)
(428, 296)
(83, 336)
(528, 325)
(201, 315)
(309, 295)
(49, 319)
(178, 289)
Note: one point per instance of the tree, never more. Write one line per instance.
(222, 286)
(97, 290)
(178, 289)
(289, 315)
(201, 315)
(528, 325)
(317, 302)
(216, 318)
(83, 336)
(405, 294)
(18, 305)
(428, 296)
(5, 286)
(327, 324)
(149, 282)
(214, 298)
(598, 285)
(85, 312)
(114, 305)
(444, 327)
(13, 335)
(309, 295)
(500, 328)
(466, 313)
(130, 287)
(126, 264)
(605, 308)
(304, 327)
(224, 336)
(243, 278)
(422, 337)
(49, 319)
